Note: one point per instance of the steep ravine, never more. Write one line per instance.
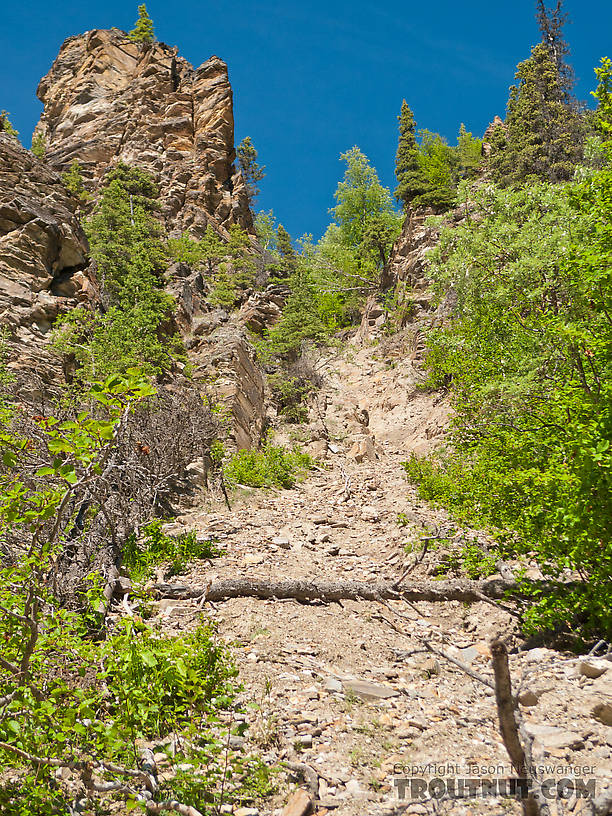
(336, 686)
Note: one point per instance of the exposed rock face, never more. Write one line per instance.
(43, 254)
(488, 135)
(108, 99)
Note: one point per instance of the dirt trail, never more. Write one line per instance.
(336, 686)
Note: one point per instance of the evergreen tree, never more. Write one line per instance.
(425, 172)
(125, 242)
(252, 172)
(551, 22)
(469, 153)
(143, 27)
(410, 179)
(288, 255)
(543, 136)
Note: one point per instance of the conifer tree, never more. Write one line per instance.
(469, 153)
(252, 172)
(543, 135)
(551, 22)
(143, 28)
(288, 264)
(408, 172)
(426, 173)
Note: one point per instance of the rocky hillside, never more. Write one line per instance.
(43, 256)
(108, 99)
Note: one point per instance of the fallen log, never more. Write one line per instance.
(332, 591)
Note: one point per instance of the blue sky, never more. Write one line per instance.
(313, 79)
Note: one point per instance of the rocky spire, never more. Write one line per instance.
(107, 99)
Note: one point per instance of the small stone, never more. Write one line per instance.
(369, 691)
(305, 740)
(300, 804)
(353, 788)
(602, 712)
(246, 811)
(593, 667)
(333, 550)
(253, 559)
(282, 542)
(551, 738)
(369, 513)
(332, 684)
(528, 698)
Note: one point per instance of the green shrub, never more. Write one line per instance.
(528, 357)
(272, 466)
(81, 703)
(155, 547)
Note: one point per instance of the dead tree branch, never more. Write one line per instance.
(331, 591)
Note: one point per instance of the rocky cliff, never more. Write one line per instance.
(43, 257)
(108, 99)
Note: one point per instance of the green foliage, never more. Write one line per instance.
(252, 171)
(229, 264)
(72, 701)
(265, 229)
(469, 153)
(39, 146)
(272, 466)
(290, 395)
(603, 95)
(543, 134)
(360, 197)
(410, 182)
(428, 170)
(288, 256)
(154, 547)
(6, 126)
(302, 319)
(528, 358)
(142, 32)
(126, 243)
(73, 181)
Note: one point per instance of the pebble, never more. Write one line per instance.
(353, 788)
(593, 667)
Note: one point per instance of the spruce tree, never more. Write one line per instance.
(469, 153)
(426, 173)
(252, 172)
(288, 256)
(543, 135)
(143, 28)
(410, 179)
(551, 22)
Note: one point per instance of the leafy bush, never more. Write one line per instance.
(272, 466)
(155, 547)
(6, 126)
(38, 146)
(68, 700)
(528, 355)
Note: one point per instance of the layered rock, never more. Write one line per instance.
(43, 255)
(108, 99)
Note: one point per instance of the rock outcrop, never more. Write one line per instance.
(108, 99)
(43, 255)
